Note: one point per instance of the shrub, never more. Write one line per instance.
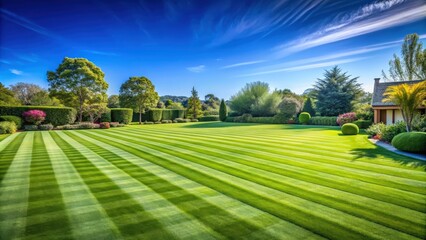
(183, 120)
(245, 118)
(106, 116)
(7, 127)
(34, 116)
(223, 111)
(363, 124)
(30, 127)
(289, 107)
(410, 142)
(346, 118)
(121, 125)
(69, 127)
(164, 121)
(104, 125)
(148, 122)
(211, 112)
(87, 125)
(262, 120)
(54, 115)
(175, 121)
(229, 119)
(15, 119)
(304, 117)
(114, 124)
(376, 130)
(392, 130)
(419, 123)
(326, 121)
(47, 127)
(121, 115)
(194, 120)
(350, 129)
(157, 122)
(209, 118)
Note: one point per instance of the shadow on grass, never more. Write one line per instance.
(374, 153)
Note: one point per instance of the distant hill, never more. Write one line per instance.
(180, 99)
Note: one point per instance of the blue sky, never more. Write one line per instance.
(215, 45)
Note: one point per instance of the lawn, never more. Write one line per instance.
(206, 181)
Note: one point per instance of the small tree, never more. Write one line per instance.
(408, 97)
(95, 111)
(223, 111)
(75, 81)
(168, 103)
(138, 93)
(194, 104)
(289, 107)
(309, 107)
(113, 101)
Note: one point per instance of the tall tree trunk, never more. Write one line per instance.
(140, 116)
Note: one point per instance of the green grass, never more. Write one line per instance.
(207, 181)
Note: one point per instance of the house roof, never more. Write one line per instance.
(380, 88)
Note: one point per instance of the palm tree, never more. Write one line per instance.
(408, 97)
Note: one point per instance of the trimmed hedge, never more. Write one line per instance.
(106, 117)
(7, 127)
(121, 115)
(363, 124)
(54, 115)
(326, 121)
(350, 129)
(167, 114)
(17, 120)
(155, 114)
(209, 118)
(410, 142)
(304, 117)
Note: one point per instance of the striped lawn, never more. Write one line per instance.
(207, 181)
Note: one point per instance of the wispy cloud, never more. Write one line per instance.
(197, 69)
(242, 64)
(101, 53)
(16, 71)
(370, 18)
(4, 61)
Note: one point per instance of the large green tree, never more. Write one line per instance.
(7, 97)
(194, 104)
(411, 65)
(25, 92)
(75, 82)
(138, 93)
(113, 101)
(248, 97)
(336, 92)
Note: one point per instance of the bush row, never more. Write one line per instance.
(327, 121)
(209, 118)
(54, 115)
(156, 115)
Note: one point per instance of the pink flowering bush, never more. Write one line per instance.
(346, 118)
(34, 116)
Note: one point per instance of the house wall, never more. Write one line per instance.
(398, 116)
(389, 117)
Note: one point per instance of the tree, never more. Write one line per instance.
(95, 111)
(113, 101)
(309, 107)
(289, 107)
(42, 98)
(413, 63)
(223, 111)
(138, 93)
(168, 103)
(7, 97)
(194, 104)
(267, 105)
(75, 81)
(176, 105)
(212, 101)
(25, 92)
(248, 97)
(408, 97)
(336, 92)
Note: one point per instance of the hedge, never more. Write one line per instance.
(327, 121)
(17, 120)
(209, 118)
(106, 117)
(363, 124)
(121, 115)
(350, 129)
(166, 114)
(155, 114)
(410, 142)
(54, 115)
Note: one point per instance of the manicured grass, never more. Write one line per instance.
(207, 180)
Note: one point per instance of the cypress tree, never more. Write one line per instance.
(223, 111)
(308, 107)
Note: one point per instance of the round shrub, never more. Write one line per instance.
(7, 127)
(15, 119)
(34, 116)
(410, 142)
(121, 115)
(304, 117)
(350, 129)
(104, 125)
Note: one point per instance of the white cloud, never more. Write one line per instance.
(197, 69)
(242, 64)
(16, 71)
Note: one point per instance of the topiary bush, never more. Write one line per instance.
(304, 117)
(350, 129)
(209, 118)
(121, 115)
(46, 127)
(54, 115)
(363, 124)
(7, 127)
(15, 119)
(410, 142)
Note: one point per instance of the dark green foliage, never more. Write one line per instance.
(17, 120)
(392, 130)
(230, 119)
(326, 121)
(336, 92)
(167, 114)
(223, 111)
(106, 117)
(419, 123)
(363, 124)
(121, 115)
(304, 117)
(245, 118)
(7, 97)
(209, 118)
(350, 129)
(45, 127)
(30, 127)
(113, 101)
(211, 112)
(155, 114)
(54, 115)
(410, 142)
(194, 104)
(7, 127)
(309, 107)
(194, 120)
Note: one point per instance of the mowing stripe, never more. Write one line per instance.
(298, 210)
(118, 204)
(402, 219)
(87, 218)
(159, 183)
(8, 150)
(14, 190)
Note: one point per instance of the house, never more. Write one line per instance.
(387, 112)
